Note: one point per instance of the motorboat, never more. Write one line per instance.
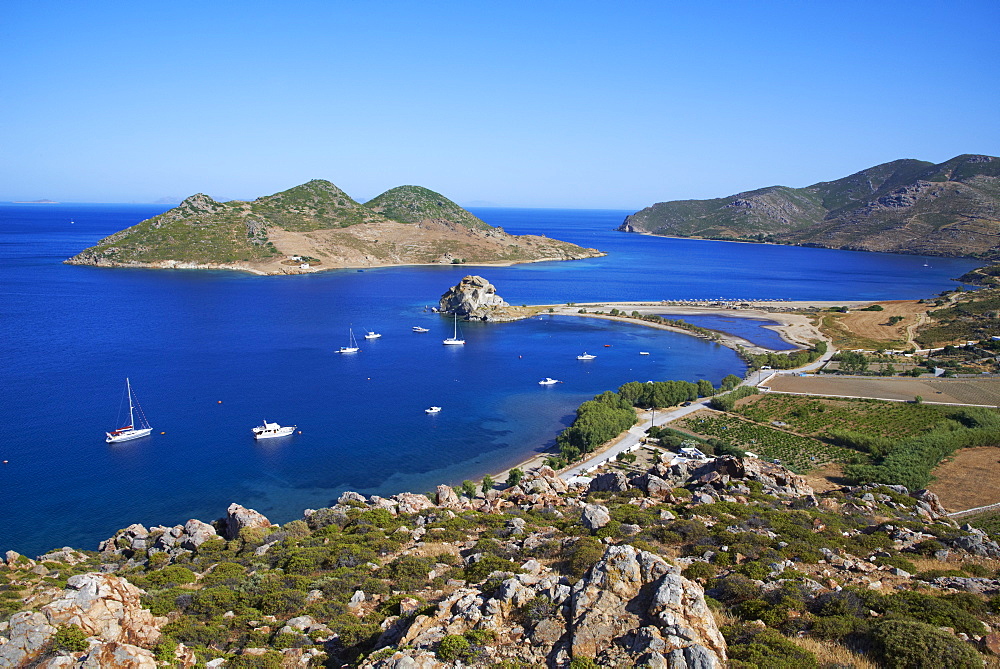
(432, 410)
(548, 381)
(372, 335)
(417, 328)
(585, 356)
(643, 352)
(271, 430)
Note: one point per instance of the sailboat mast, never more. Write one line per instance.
(128, 388)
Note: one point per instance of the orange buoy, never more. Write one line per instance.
(220, 401)
(163, 433)
(300, 431)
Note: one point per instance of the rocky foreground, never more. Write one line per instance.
(685, 563)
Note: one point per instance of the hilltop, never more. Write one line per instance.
(317, 226)
(904, 206)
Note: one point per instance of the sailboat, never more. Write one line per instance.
(453, 340)
(352, 345)
(130, 431)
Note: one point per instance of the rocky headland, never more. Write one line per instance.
(316, 226)
(679, 563)
(475, 298)
(905, 206)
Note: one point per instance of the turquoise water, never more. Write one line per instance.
(263, 347)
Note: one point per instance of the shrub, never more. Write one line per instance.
(171, 575)
(699, 570)
(753, 647)
(581, 662)
(453, 647)
(584, 554)
(71, 638)
(903, 644)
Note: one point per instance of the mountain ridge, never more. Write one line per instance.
(903, 206)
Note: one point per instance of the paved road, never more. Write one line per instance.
(634, 435)
(637, 432)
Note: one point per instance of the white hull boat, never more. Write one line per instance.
(271, 430)
(585, 356)
(372, 335)
(417, 328)
(453, 340)
(432, 410)
(130, 431)
(352, 345)
(548, 381)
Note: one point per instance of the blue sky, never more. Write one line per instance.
(547, 104)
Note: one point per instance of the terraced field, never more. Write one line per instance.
(815, 416)
(798, 453)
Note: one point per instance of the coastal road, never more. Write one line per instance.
(637, 432)
(634, 436)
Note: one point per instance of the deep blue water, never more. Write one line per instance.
(263, 347)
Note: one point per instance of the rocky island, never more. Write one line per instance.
(905, 206)
(317, 226)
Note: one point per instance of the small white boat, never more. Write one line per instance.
(453, 340)
(643, 352)
(372, 335)
(352, 345)
(130, 431)
(548, 381)
(585, 356)
(271, 430)
(432, 410)
(417, 328)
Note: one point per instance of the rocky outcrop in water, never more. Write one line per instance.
(475, 298)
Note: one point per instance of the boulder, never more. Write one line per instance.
(609, 482)
(196, 533)
(595, 516)
(446, 496)
(238, 518)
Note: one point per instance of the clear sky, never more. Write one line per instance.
(549, 104)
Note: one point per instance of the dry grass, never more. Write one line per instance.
(833, 654)
(870, 330)
(968, 479)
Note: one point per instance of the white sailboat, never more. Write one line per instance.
(352, 345)
(453, 340)
(270, 430)
(130, 431)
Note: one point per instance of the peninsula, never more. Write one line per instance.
(904, 206)
(316, 226)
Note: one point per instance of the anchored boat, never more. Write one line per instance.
(130, 431)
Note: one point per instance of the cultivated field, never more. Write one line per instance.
(798, 453)
(980, 392)
(969, 479)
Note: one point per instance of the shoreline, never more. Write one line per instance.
(793, 328)
(296, 271)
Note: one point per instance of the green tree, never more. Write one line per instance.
(488, 484)
(468, 488)
(514, 476)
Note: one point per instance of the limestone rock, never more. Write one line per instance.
(613, 601)
(610, 482)
(595, 516)
(474, 297)
(446, 496)
(239, 517)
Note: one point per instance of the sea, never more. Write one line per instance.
(211, 354)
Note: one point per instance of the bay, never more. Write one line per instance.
(211, 354)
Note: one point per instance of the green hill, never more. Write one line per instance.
(413, 204)
(905, 206)
(318, 226)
